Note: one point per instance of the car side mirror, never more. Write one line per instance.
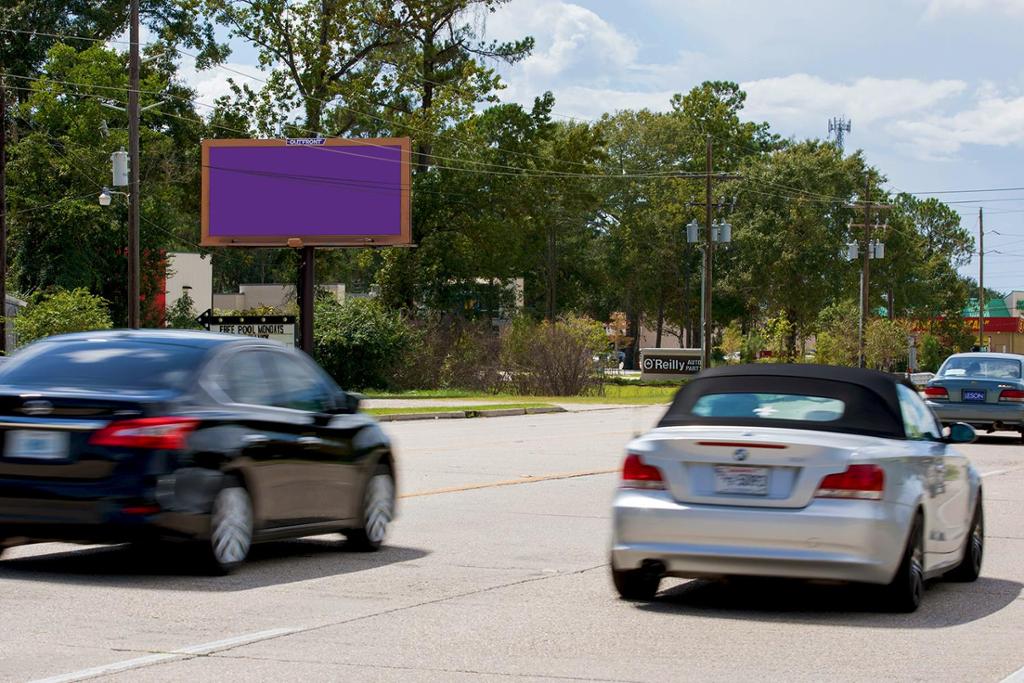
(960, 432)
(352, 401)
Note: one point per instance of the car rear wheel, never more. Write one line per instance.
(636, 584)
(970, 567)
(377, 512)
(904, 593)
(231, 528)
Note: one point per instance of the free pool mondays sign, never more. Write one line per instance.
(669, 363)
(280, 328)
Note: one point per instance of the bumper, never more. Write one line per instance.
(99, 512)
(845, 540)
(1011, 415)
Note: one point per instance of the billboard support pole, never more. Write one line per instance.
(307, 280)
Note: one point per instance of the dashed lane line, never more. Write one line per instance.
(161, 657)
(509, 482)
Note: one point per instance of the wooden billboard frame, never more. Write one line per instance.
(405, 232)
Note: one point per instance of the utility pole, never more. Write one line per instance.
(981, 279)
(709, 250)
(134, 200)
(3, 215)
(865, 272)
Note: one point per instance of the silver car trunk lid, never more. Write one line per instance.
(748, 466)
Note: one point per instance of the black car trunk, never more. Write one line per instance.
(46, 434)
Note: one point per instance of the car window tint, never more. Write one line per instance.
(918, 420)
(770, 406)
(107, 363)
(247, 378)
(299, 385)
(987, 367)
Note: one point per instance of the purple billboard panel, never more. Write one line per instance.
(322, 192)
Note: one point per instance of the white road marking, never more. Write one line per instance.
(995, 473)
(1016, 677)
(182, 653)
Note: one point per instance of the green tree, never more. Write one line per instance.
(62, 312)
(837, 339)
(790, 231)
(885, 344)
(59, 234)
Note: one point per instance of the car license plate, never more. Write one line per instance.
(973, 395)
(742, 480)
(36, 444)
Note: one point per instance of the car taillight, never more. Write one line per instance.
(637, 475)
(863, 482)
(157, 433)
(1011, 396)
(936, 392)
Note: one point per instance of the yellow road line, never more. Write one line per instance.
(508, 482)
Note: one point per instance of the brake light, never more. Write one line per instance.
(637, 475)
(936, 393)
(1011, 396)
(863, 482)
(157, 433)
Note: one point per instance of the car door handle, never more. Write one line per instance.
(310, 441)
(255, 439)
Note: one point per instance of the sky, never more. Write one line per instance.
(934, 88)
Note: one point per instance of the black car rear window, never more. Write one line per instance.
(102, 363)
(780, 401)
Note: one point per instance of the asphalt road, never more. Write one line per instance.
(497, 570)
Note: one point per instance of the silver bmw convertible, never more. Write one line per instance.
(799, 471)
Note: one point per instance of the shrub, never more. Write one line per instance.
(182, 315)
(62, 312)
(449, 353)
(885, 344)
(553, 359)
(360, 342)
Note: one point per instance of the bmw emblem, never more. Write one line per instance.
(741, 454)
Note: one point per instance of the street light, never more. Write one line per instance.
(106, 196)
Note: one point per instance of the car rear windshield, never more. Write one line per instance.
(103, 364)
(770, 407)
(982, 367)
(788, 401)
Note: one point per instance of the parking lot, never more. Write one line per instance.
(497, 568)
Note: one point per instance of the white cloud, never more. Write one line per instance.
(938, 8)
(993, 120)
(213, 83)
(798, 99)
(568, 38)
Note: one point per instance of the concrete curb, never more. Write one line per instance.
(457, 414)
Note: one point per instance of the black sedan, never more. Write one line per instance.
(217, 440)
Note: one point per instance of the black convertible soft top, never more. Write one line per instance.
(872, 404)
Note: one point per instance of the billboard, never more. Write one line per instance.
(306, 192)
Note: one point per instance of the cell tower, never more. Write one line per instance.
(838, 127)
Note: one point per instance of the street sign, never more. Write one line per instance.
(280, 328)
(659, 364)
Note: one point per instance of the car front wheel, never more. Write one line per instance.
(636, 584)
(970, 566)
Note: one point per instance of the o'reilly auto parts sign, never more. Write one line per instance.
(669, 363)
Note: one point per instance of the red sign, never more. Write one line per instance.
(1013, 325)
